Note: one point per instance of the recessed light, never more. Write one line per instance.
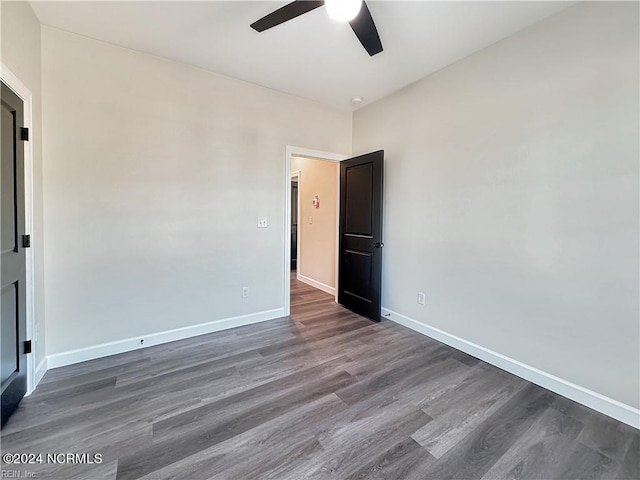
(356, 100)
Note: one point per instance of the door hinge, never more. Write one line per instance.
(27, 346)
(24, 134)
(26, 241)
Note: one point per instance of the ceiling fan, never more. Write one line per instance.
(355, 12)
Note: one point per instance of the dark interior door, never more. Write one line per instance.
(294, 225)
(360, 264)
(13, 302)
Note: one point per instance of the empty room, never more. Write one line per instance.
(335, 239)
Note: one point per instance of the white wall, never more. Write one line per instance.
(511, 197)
(21, 54)
(155, 174)
(317, 255)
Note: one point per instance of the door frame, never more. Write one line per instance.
(290, 152)
(21, 90)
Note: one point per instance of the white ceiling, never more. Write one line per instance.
(310, 56)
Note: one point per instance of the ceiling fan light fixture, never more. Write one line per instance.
(343, 10)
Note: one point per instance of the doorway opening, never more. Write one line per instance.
(311, 220)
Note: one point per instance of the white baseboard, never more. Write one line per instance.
(112, 348)
(41, 369)
(316, 284)
(589, 398)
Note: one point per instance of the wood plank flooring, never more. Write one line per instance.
(324, 394)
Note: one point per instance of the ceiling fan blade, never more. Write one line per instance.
(286, 13)
(366, 31)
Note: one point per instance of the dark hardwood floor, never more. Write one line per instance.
(324, 394)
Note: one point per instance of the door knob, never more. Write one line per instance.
(378, 245)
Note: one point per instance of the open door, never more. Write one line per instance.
(360, 250)
(294, 224)
(13, 348)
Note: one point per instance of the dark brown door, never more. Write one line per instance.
(360, 264)
(13, 303)
(294, 225)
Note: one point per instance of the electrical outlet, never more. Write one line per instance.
(245, 292)
(421, 298)
(310, 219)
(263, 222)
